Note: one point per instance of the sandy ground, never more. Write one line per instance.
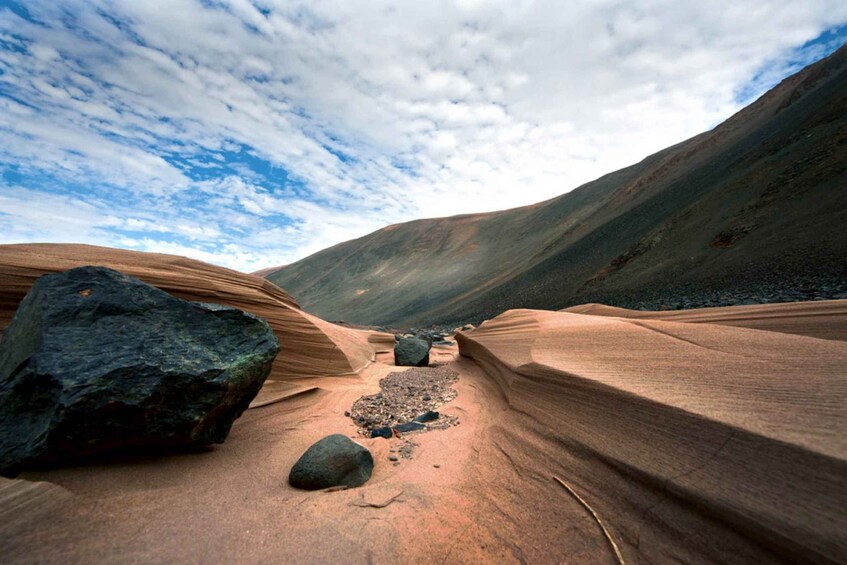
(694, 442)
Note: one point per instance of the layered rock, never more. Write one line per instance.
(672, 427)
(312, 347)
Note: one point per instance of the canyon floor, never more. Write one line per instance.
(720, 436)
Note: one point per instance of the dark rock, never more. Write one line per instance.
(388, 431)
(425, 336)
(428, 416)
(382, 432)
(411, 352)
(333, 461)
(409, 427)
(96, 360)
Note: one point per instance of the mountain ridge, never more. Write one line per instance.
(717, 219)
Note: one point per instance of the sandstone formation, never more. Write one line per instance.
(311, 346)
(671, 428)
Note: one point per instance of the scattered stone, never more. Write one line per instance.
(411, 352)
(407, 449)
(95, 360)
(333, 461)
(404, 397)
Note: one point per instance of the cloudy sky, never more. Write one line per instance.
(251, 133)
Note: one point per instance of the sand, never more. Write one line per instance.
(826, 319)
(698, 442)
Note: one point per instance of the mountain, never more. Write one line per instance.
(754, 210)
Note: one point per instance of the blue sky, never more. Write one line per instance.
(254, 133)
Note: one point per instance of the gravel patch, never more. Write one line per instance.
(405, 396)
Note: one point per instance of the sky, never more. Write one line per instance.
(253, 133)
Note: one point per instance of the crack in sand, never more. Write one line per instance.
(362, 503)
(608, 535)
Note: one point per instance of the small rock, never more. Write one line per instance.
(333, 461)
(436, 465)
(409, 427)
(393, 458)
(347, 413)
(411, 352)
(382, 432)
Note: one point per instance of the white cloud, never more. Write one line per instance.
(370, 112)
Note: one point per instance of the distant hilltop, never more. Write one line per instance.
(751, 211)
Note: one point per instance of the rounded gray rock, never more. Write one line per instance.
(411, 352)
(335, 460)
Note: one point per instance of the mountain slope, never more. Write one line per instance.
(752, 210)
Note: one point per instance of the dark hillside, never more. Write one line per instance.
(754, 210)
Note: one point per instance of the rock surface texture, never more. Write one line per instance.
(95, 360)
(333, 461)
(411, 352)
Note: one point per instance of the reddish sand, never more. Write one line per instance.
(690, 441)
(698, 442)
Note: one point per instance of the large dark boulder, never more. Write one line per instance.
(95, 360)
(333, 461)
(411, 352)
